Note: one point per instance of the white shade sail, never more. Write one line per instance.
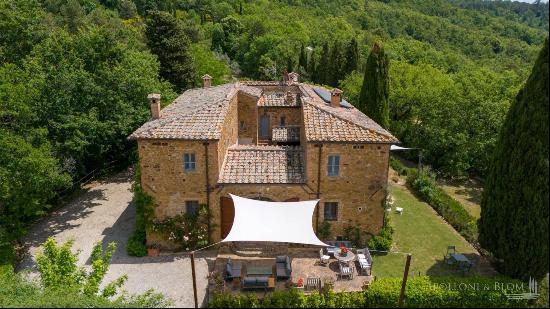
(288, 222)
(395, 147)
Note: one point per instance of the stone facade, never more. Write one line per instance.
(359, 189)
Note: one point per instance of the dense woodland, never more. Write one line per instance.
(74, 75)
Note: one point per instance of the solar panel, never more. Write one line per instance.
(325, 95)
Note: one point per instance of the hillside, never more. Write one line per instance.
(74, 75)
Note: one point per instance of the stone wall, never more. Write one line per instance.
(248, 117)
(359, 189)
(293, 116)
(164, 179)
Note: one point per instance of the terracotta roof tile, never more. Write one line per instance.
(263, 164)
(286, 134)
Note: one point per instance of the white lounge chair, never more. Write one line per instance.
(324, 259)
(399, 210)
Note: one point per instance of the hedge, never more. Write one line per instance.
(424, 185)
(442, 292)
(399, 167)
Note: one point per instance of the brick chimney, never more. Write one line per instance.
(154, 102)
(206, 80)
(335, 97)
(294, 77)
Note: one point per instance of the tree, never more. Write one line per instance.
(373, 100)
(302, 60)
(323, 67)
(352, 57)
(167, 39)
(127, 9)
(336, 65)
(514, 207)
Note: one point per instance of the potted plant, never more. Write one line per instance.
(153, 250)
(300, 283)
(343, 250)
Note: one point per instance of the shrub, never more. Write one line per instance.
(424, 185)
(383, 241)
(398, 166)
(324, 230)
(446, 292)
(144, 214)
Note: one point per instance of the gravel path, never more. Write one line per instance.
(103, 212)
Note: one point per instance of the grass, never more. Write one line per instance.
(467, 192)
(424, 234)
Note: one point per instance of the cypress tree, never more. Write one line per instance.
(302, 60)
(373, 99)
(514, 206)
(312, 69)
(323, 67)
(167, 39)
(336, 65)
(352, 57)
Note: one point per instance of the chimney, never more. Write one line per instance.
(206, 80)
(293, 77)
(154, 102)
(335, 97)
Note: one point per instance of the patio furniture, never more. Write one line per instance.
(232, 269)
(284, 268)
(259, 271)
(448, 257)
(335, 245)
(365, 261)
(464, 267)
(262, 282)
(399, 210)
(350, 256)
(323, 259)
(313, 283)
(345, 271)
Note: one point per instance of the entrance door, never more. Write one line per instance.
(264, 126)
(228, 214)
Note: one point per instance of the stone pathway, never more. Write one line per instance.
(103, 212)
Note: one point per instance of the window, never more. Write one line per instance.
(331, 211)
(283, 121)
(333, 167)
(192, 208)
(189, 163)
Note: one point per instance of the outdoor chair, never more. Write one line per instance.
(365, 261)
(313, 283)
(345, 271)
(283, 266)
(323, 259)
(451, 250)
(232, 269)
(399, 210)
(464, 267)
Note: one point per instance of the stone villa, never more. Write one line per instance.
(268, 140)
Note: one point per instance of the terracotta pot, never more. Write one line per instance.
(153, 251)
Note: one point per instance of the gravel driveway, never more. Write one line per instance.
(103, 212)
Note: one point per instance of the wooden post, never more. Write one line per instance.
(404, 284)
(194, 279)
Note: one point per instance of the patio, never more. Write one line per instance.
(305, 263)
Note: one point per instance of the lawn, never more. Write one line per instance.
(468, 192)
(424, 234)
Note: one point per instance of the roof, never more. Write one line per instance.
(286, 134)
(263, 164)
(199, 114)
(326, 123)
(278, 99)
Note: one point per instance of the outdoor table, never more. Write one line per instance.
(259, 271)
(350, 256)
(460, 258)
